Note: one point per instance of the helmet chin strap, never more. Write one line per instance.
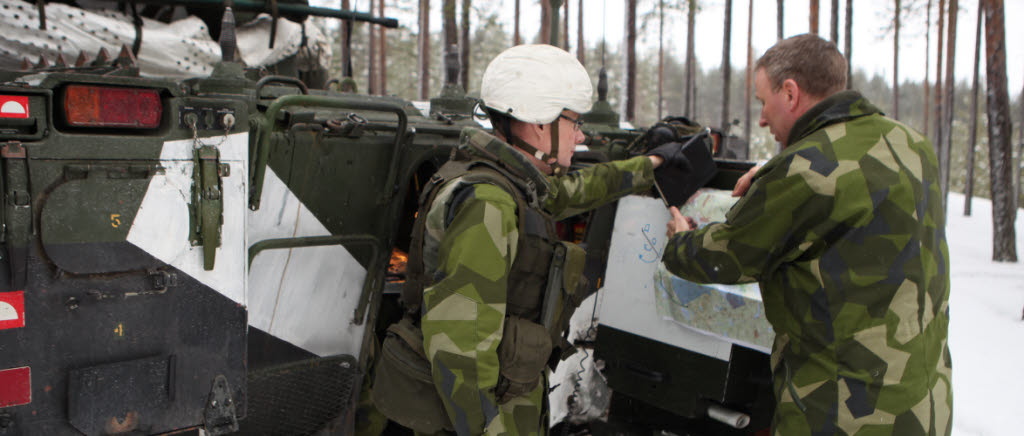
(556, 168)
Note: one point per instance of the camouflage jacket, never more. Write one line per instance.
(469, 246)
(845, 232)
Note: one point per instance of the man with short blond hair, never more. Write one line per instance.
(845, 232)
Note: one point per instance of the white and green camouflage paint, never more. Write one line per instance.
(845, 232)
(469, 247)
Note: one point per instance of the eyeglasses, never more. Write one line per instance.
(577, 123)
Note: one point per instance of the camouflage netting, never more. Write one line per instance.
(180, 49)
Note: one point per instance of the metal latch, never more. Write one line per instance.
(207, 208)
(219, 417)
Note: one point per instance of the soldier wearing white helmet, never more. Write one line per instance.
(490, 286)
(538, 86)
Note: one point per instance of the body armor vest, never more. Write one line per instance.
(544, 289)
(545, 283)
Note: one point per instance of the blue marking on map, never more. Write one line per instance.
(687, 291)
(734, 300)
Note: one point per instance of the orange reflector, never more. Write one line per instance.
(103, 106)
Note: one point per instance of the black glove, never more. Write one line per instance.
(687, 168)
(672, 154)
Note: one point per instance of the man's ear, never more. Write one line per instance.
(792, 93)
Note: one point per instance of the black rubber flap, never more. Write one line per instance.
(303, 397)
(119, 397)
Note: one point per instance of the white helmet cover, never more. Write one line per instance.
(535, 83)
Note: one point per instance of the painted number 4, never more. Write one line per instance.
(115, 220)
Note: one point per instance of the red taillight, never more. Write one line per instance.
(15, 386)
(103, 106)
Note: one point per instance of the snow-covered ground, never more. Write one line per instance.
(986, 333)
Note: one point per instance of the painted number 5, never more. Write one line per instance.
(115, 220)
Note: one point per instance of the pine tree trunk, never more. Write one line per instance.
(750, 74)
(346, 42)
(973, 130)
(565, 25)
(448, 24)
(778, 18)
(630, 53)
(834, 28)
(927, 68)
(464, 45)
(937, 89)
(691, 98)
(1000, 152)
(896, 63)
(581, 47)
(813, 17)
(371, 70)
(947, 138)
(544, 37)
(726, 67)
(555, 25)
(424, 50)
(451, 40)
(661, 55)
(516, 39)
(849, 44)
(382, 58)
(1020, 154)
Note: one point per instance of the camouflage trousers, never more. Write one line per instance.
(520, 416)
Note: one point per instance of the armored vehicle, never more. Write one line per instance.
(198, 238)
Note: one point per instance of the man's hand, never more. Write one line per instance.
(656, 160)
(743, 184)
(679, 223)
